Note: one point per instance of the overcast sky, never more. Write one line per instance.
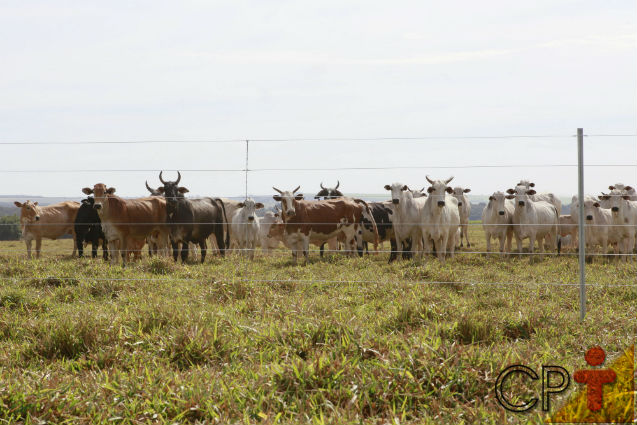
(74, 71)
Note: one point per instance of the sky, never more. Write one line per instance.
(437, 84)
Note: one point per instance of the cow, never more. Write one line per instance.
(497, 220)
(318, 221)
(269, 235)
(126, 219)
(597, 224)
(193, 220)
(624, 220)
(440, 219)
(464, 208)
(88, 228)
(406, 218)
(382, 213)
(49, 222)
(568, 229)
(245, 226)
(548, 197)
(630, 191)
(536, 220)
(329, 193)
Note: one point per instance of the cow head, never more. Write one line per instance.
(172, 192)
(526, 183)
(497, 202)
(458, 193)
(100, 193)
(249, 208)
(29, 211)
(154, 192)
(287, 199)
(329, 192)
(438, 190)
(418, 193)
(615, 199)
(590, 204)
(396, 190)
(520, 194)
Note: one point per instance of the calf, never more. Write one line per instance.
(406, 218)
(441, 218)
(464, 208)
(245, 226)
(536, 220)
(624, 220)
(49, 222)
(88, 228)
(567, 229)
(497, 221)
(270, 231)
(547, 197)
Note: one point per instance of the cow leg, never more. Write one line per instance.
(502, 239)
(184, 252)
(123, 249)
(94, 246)
(175, 246)
(104, 249)
(75, 244)
(488, 238)
(79, 244)
(38, 246)
(203, 246)
(393, 250)
(321, 249)
(466, 235)
(531, 247)
(28, 242)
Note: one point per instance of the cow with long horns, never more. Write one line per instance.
(318, 221)
(193, 220)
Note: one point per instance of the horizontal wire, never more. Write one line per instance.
(237, 170)
(315, 223)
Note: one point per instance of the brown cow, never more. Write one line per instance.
(318, 221)
(48, 222)
(126, 219)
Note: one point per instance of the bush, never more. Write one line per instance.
(10, 228)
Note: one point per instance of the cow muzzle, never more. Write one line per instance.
(459, 204)
(290, 213)
(441, 203)
(589, 217)
(501, 212)
(251, 218)
(97, 206)
(521, 203)
(395, 201)
(37, 218)
(615, 209)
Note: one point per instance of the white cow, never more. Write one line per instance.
(441, 218)
(536, 220)
(464, 208)
(597, 224)
(497, 219)
(567, 229)
(270, 240)
(624, 215)
(245, 226)
(407, 217)
(548, 197)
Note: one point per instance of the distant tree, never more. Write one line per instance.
(10, 228)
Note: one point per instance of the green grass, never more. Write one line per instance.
(85, 342)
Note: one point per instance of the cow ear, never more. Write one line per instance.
(160, 189)
(626, 197)
(449, 190)
(532, 184)
(611, 187)
(491, 198)
(18, 204)
(298, 196)
(430, 189)
(276, 198)
(241, 204)
(467, 190)
(531, 192)
(405, 187)
(628, 188)
(87, 190)
(510, 192)
(510, 196)
(183, 190)
(596, 204)
(387, 187)
(259, 205)
(35, 203)
(110, 190)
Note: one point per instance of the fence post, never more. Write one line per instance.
(246, 176)
(582, 233)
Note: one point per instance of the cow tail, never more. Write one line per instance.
(557, 233)
(225, 219)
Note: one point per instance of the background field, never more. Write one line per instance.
(339, 340)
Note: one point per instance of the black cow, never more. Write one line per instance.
(328, 193)
(193, 220)
(88, 228)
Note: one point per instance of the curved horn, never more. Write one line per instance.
(277, 190)
(429, 180)
(322, 185)
(448, 180)
(297, 188)
(338, 183)
(178, 177)
(148, 187)
(160, 179)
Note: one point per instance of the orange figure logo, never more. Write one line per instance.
(594, 379)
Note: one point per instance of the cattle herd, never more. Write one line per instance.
(415, 222)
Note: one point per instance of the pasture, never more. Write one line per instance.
(341, 340)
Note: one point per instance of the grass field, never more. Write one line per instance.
(238, 341)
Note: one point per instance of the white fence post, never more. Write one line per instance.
(582, 233)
